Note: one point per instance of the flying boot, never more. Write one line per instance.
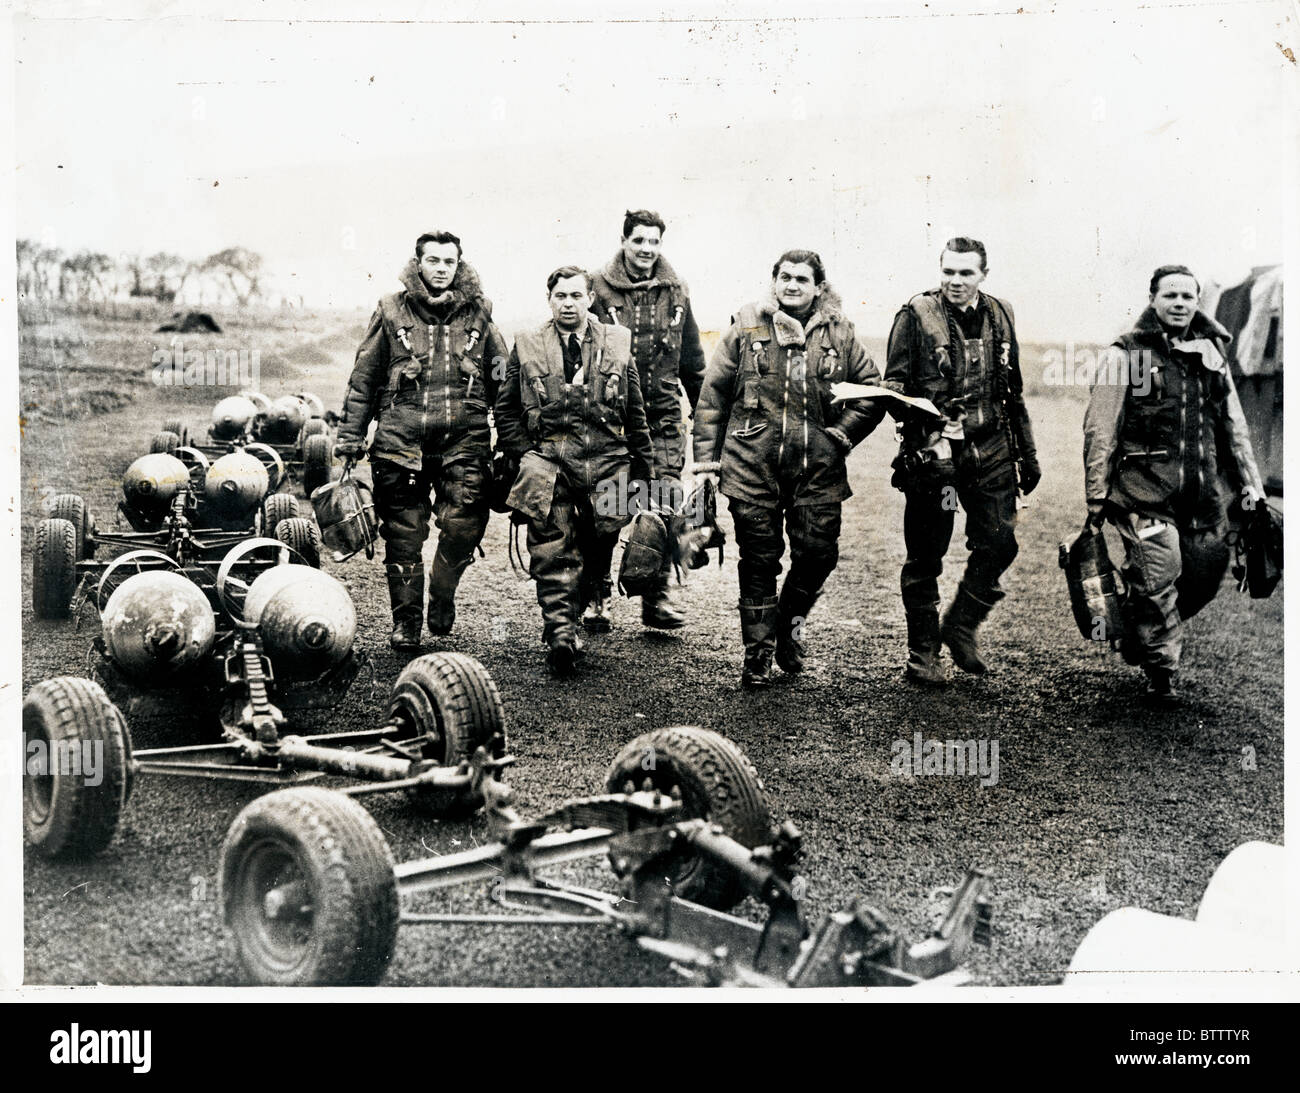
(758, 631)
(406, 594)
(923, 664)
(958, 630)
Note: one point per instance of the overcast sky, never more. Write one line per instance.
(1084, 148)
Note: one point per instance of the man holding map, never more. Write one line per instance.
(768, 425)
(956, 346)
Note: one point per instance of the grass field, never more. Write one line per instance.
(1100, 801)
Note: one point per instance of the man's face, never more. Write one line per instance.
(641, 248)
(795, 287)
(438, 264)
(570, 301)
(1175, 300)
(960, 274)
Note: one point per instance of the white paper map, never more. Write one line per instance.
(842, 391)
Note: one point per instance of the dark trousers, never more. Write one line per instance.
(459, 505)
(986, 489)
(814, 532)
(668, 443)
(566, 557)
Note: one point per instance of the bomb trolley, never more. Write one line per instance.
(291, 436)
(442, 738)
(172, 526)
(160, 631)
(311, 894)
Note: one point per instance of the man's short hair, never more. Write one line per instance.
(962, 244)
(633, 217)
(802, 258)
(436, 237)
(567, 271)
(1165, 271)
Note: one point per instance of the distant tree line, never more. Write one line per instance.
(89, 277)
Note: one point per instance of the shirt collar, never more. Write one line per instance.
(581, 331)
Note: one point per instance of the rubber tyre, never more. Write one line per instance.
(166, 442)
(453, 696)
(332, 845)
(54, 568)
(317, 459)
(64, 816)
(277, 507)
(301, 534)
(70, 507)
(313, 426)
(177, 426)
(718, 783)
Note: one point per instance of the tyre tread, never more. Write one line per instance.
(472, 716)
(357, 909)
(83, 818)
(54, 568)
(317, 456)
(737, 801)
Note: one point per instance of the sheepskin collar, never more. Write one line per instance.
(1206, 339)
(789, 331)
(1202, 326)
(465, 289)
(615, 272)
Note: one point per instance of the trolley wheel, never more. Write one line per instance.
(175, 425)
(308, 890)
(70, 507)
(301, 534)
(277, 507)
(313, 426)
(54, 568)
(452, 698)
(166, 442)
(317, 458)
(716, 782)
(73, 736)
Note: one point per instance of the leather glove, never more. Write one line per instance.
(1030, 473)
(349, 447)
(1096, 514)
(841, 439)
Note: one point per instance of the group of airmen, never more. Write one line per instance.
(591, 401)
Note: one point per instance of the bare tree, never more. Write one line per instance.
(167, 274)
(27, 253)
(86, 272)
(135, 267)
(47, 266)
(241, 268)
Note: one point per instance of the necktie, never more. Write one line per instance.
(572, 357)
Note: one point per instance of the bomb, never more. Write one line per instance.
(158, 625)
(284, 420)
(152, 481)
(306, 619)
(231, 417)
(236, 484)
